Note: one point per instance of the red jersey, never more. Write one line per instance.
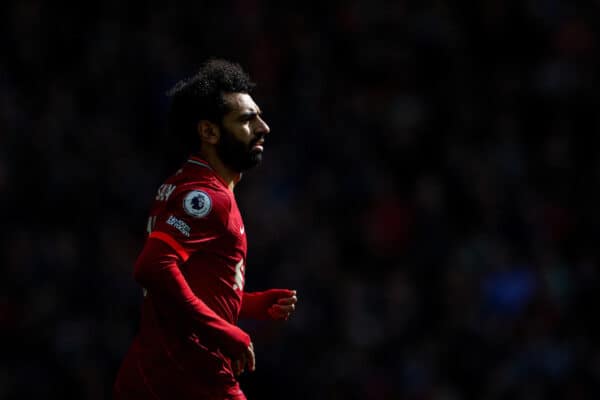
(195, 220)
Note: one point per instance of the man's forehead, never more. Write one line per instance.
(240, 102)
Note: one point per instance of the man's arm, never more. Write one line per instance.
(270, 304)
(157, 270)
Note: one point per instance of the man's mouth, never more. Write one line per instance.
(258, 145)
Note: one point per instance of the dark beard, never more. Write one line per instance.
(236, 154)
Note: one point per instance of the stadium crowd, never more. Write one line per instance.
(430, 188)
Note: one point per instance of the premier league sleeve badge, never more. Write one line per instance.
(197, 204)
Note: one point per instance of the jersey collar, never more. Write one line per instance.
(198, 161)
(194, 159)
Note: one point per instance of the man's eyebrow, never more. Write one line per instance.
(250, 113)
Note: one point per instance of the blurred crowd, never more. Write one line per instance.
(430, 188)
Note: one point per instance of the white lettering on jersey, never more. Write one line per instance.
(150, 224)
(239, 276)
(164, 191)
(179, 225)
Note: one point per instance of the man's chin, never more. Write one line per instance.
(255, 159)
(256, 156)
(250, 162)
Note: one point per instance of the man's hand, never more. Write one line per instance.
(246, 360)
(284, 307)
(275, 304)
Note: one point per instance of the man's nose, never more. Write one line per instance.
(263, 127)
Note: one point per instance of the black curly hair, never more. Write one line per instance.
(201, 97)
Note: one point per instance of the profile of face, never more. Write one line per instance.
(242, 133)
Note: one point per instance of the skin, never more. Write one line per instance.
(281, 310)
(284, 307)
(244, 120)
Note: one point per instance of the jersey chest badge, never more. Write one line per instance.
(197, 203)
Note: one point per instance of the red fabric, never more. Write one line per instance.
(215, 241)
(157, 271)
(192, 269)
(256, 305)
(171, 242)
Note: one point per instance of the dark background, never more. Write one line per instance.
(430, 188)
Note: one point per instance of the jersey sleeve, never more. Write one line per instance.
(191, 219)
(157, 269)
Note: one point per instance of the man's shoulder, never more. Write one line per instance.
(198, 195)
(188, 178)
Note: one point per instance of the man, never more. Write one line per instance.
(193, 263)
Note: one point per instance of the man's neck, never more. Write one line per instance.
(227, 175)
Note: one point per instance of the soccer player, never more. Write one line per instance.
(193, 263)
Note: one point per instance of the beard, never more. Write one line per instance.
(236, 154)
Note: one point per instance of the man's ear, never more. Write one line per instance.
(208, 131)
